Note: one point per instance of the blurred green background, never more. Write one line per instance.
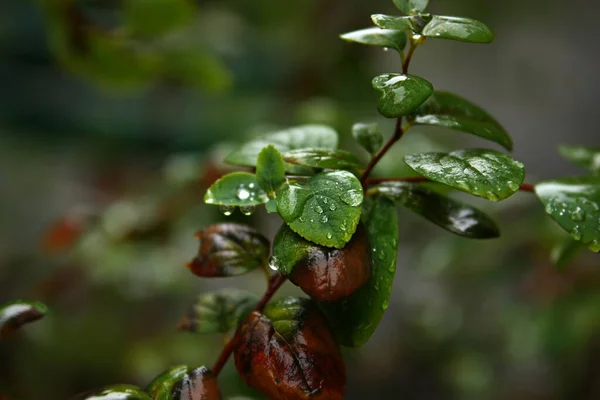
(114, 115)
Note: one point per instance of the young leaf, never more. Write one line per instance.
(480, 172)
(271, 206)
(377, 37)
(451, 111)
(289, 353)
(15, 314)
(229, 250)
(454, 216)
(411, 6)
(368, 136)
(316, 136)
(324, 273)
(565, 252)
(392, 22)
(116, 392)
(575, 204)
(585, 157)
(355, 318)
(270, 170)
(236, 189)
(326, 210)
(458, 28)
(185, 383)
(218, 312)
(323, 158)
(401, 94)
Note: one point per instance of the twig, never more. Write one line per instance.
(397, 135)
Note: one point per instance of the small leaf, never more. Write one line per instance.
(451, 111)
(218, 312)
(458, 28)
(575, 204)
(116, 392)
(355, 318)
(316, 136)
(565, 252)
(15, 314)
(324, 273)
(377, 37)
(585, 157)
(401, 94)
(368, 136)
(229, 250)
(289, 353)
(271, 206)
(392, 22)
(480, 172)
(411, 6)
(323, 158)
(236, 189)
(326, 210)
(454, 216)
(185, 383)
(270, 170)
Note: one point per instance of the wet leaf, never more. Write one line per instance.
(585, 157)
(458, 28)
(325, 210)
(289, 353)
(315, 136)
(185, 383)
(377, 37)
(393, 22)
(229, 250)
(324, 273)
(270, 170)
(401, 94)
(480, 172)
(355, 318)
(565, 252)
(454, 216)
(368, 136)
(575, 204)
(323, 158)
(218, 312)
(15, 314)
(451, 111)
(116, 392)
(236, 189)
(411, 6)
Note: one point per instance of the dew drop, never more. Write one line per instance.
(332, 207)
(273, 261)
(227, 210)
(251, 186)
(385, 305)
(578, 214)
(242, 192)
(595, 246)
(318, 210)
(329, 235)
(492, 196)
(343, 227)
(247, 210)
(513, 186)
(392, 269)
(352, 197)
(381, 255)
(325, 200)
(324, 219)
(576, 233)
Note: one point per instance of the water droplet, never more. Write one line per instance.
(577, 214)
(243, 193)
(343, 227)
(325, 200)
(549, 208)
(595, 246)
(318, 210)
(312, 220)
(392, 269)
(332, 207)
(382, 255)
(301, 219)
(324, 219)
(251, 186)
(492, 196)
(576, 233)
(512, 185)
(352, 197)
(385, 305)
(227, 210)
(273, 261)
(247, 210)
(386, 49)
(329, 235)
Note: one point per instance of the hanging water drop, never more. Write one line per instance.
(247, 210)
(386, 49)
(227, 210)
(273, 263)
(595, 246)
(576, 233)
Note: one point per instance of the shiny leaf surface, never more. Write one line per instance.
(270, 170)
(15, 314)
(368, 136)
(392, 22)
(229, 250)
(411, 6)
(356, 318)
(218, 312)
(377, 37)
(401, 94)
(575, 204)
(451, 111)
(289, 353)
(480, 172)
(323, 158)
(454, 216)
(116, 392)
(236, 189)
(324, 273)
(585, 157)
(185, 383)
(325, 210)
(458, 28)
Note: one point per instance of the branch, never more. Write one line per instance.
(525, 187)
(397, 135)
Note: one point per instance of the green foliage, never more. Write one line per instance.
(387, 38)
(323, 158)
(236, 189)
(411, 6)
(586, 157)
(565, 252)
(114, 392)
(270, 170)
(393, 23)
(368, 136)
(458, 28)
(14, 314)
(161, 388)
(401, 94)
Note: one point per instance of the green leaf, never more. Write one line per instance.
(116, 392)
(355, 318)
(153, 18)
(323, 158)
(377, 37)
(218, 312)
(411, 6)
(161, 387)
(451, 111)
(286, 314)
(480, 172)
(14, 314)
(183, 383)
(236, 189)
(326, 210)
(401, 94)
(368, 136)
(393, 22)
(565, 252)
(454, 216)
(315, 136)
(271, 206)
(458, 28)
(270, 170)
(585, 157)
(575, 204)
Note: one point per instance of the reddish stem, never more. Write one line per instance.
(398, 132)
(274, 284)
(525, 187)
